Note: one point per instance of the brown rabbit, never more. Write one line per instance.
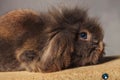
(50, 41)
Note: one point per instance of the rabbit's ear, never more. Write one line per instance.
(57, 53)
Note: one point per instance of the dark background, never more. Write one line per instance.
(108, 12)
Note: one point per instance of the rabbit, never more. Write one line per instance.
(49, 41)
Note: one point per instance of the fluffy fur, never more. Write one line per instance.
(49, 41)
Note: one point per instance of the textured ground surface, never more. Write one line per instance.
(110, 65)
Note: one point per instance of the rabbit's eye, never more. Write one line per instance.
(83, 35)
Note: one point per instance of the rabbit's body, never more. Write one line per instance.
(48, 42)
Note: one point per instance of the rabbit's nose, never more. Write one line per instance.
(95, 42)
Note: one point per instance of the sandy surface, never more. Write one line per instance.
(110, 65)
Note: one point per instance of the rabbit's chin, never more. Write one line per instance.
(88, 57)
